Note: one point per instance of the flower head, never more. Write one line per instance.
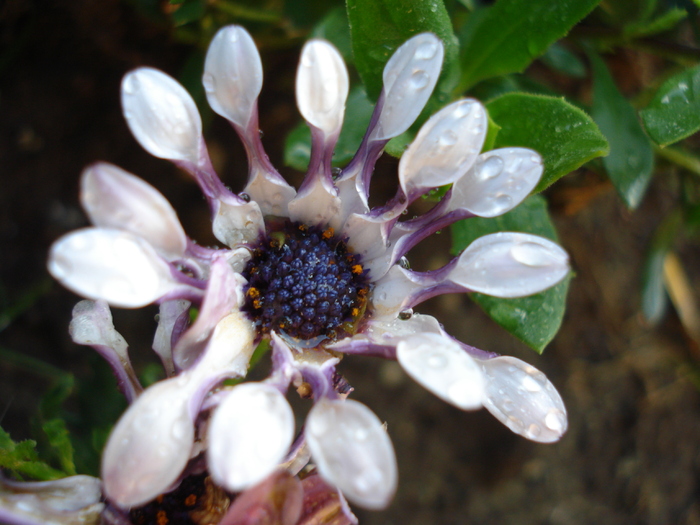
(316, 272)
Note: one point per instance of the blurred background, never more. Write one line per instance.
(629, 375)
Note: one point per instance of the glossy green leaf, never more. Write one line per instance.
(512, 33)
(674, 112)
(378, 27)
(536, 319)
(297, 148)
(563, 134)
(335, 28)
(22, 460)
(631, 160)
(564, 61)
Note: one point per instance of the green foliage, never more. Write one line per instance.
(508, 36)
(22, 461)
(674, 112)
(563, 134)
(631, 160)
(536, 319)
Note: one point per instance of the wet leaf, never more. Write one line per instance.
(536, 319)
(631, 159)
(563, 134)
(674, 112)
(512, 33)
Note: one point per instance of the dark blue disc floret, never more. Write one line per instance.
(304, 282)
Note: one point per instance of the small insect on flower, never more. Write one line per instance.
(315, 272)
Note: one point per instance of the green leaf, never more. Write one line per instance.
(491, 135)
(335, 28)
(563, 134)
(297, 148)
(512, 33)
(561, 59)
(59, 440)
(631, 160)
(189, 11)
(378, 27)
(674, 112)
(663, 23)
(21, 459)
(536, 319)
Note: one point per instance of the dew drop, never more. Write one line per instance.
(426, 50)
(233, 36)
(530, 384)
(244, 196)
(503, 202)
(403, 263)
(530, 254)
(335, 172)
(405, 315)
(419, 80)
(209, 83)
(533, 431)
(554, 420)
(436, 361)
(261, 133)
(462, 110)
(448, 138)
(490, 168)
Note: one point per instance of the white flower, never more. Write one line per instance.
(316, 272)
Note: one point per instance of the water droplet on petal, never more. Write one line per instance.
(529, 254)
(448, 138)
(209, 83)
(405, 315)
(403, 263)
(419, 80)
(530, 384)
(490, 168)
(436, 361)
(244, 196)
(426, 51)
(555, 420)
(533, 431)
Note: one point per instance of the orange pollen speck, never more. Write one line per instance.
(355, 312)
(253, 292)
(190, 500)
(162, 518)
(357, 269)
(257, 304)
(327, 234)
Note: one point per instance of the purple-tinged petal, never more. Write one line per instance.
(499, 180)
(151, 443)
(68, 501)
(114, 266)
(409, 77)
(92, 326)
(233, 75)
(444, 149)
(522, 398)
(161, 115)
(316, 203)
(396, 291)
(237, 222)
(508, 264)
(223, 295)
(172, 317)
(277, 500)
(441, 366)
(322, 86)
(323, 505)
(114, 198)
(250, 434)
(379, 337)
(352, 450)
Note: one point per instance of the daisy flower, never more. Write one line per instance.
(315, 272)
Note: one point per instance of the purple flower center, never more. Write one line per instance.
(304, 282)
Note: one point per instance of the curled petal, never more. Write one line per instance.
(233, 74)
(111, 265)
(522, 398)
(353, 451)
(150, 445)
(322, 86)
(114, 198)
(499, 180)
(250, 433)
(172, 318)
(508, 264)
(441, 366)
(409, 78)
(276, 501)
(161, 115)
(445, 147)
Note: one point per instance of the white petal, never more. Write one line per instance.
(150, 445)
(250, 433)
(498, 181)
(111, 265)
(161, 115)
(508, 264)
(441, 366)
(352, 450)
(393, 291)
(168, 314)
(522, 398)
(231, 346)
(236, 223)
(316, 203)
(389, 329)
(114, 198)
(445, 147)
(233, 74)
(322, 86)
(92, 325)
(409, 77)
(270, 192)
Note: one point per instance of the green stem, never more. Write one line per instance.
(681, 158)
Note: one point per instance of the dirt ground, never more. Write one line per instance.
(632, 452)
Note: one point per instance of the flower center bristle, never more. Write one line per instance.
(305, 283)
